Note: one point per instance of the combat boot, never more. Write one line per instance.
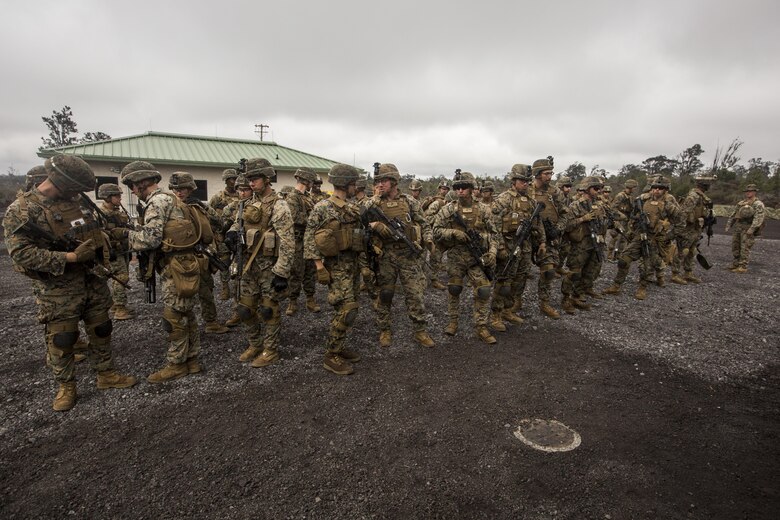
(385, 338)
(113, 379)
(423, 338)
(266, 358)
(292, 308)
(78, 358)
(690, 277)
(496, 323)
(484, 335)
(641, 292)
(508, 315)
(517, 306)
(234, 320)
(567, 305)
(580, 304)
(194, 366)
(66, 397)
(451, 329)
(436, 284)
(169, 372)
(249, 354)
(337, 364)
(739, 270)
(224, 294)
(676, 278)
(123, 313)
(660, 281)
(612, 289)
(215, 327)
(350, 355)
(544, 308)
(311, 304)
(594, 294)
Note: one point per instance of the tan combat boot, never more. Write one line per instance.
(612, 289)
(485, 336)
(385, 338)
(452, 328)
(594, 294)
(215, 327)
(544, 308)
(249, 354)
(224, 294)
(567, 306)
(113, 379)
(311, 304)
(337, 364)
(234, 320)
(350, 355)
(517, 306)
(676, 278)
(509, 316)
(121, 312)
(266, 358)
(739, 270)
(436, 284)
(660, 281)
(78, 358)
(292, 308)
(496, 323)
(66, 397)
(580, 304)
(168, 373)
(78, 350)
(194, 366)
(423, 338)
(641, 292)
(690, 277)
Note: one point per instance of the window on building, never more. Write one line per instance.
(202, 192)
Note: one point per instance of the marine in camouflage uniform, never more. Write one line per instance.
(430, 206)
(695, 208)
(415, 190)
(333, 242)
(229, 214)
(183, 186)
(316, 190)
(218, 203)
(302, 274)
(665, 220)
(396, 262)
(748, 222)
(268, 258)
(67, 288)
(554, 219)
(620, 207)
(564, 184)
(510, 210)
(117, 217)
(368, 282)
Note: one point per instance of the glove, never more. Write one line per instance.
(85, 252)
(278, 283)
(489, 260)
(323, 276)
(587, 217)
(430, 246)
(460, 236)
(118, 234)
(231, 240)
(542, 250)
(382, 229)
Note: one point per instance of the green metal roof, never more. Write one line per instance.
(194, 150)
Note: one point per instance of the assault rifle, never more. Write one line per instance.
(550, 231)
(709, 221)
(146, 261)
(396, 229)
(598, 241)
(643, 223)
(521, 234)
(474, 246)
(238, 254)
(372, 258)
(213, 259)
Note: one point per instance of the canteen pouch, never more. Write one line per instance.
(185, 270)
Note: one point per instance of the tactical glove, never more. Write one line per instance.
(118, 233)
(323, 276)
(85, 252)
(382, 229)
(278, 283)
(489, 260)
(430, 246)
(231, 240)
(460, 236)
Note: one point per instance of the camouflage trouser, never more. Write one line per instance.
(121, 269)
(342, 295)
(647, 266)
(224, 254)
(741, 243)
(564, 250)
(436, 261)
(547, 265)
(302, 274)
(615, 243)
(394, 265)
(369, 278)
(460, 264)
(179, 322)
(62, 303)
(510, 288)
(258, 305)
(584, 267)
(687, 247)
(208, 308)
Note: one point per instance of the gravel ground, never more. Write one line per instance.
(676, 399)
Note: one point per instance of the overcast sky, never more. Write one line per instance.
(430, 86)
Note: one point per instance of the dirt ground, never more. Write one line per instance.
(676, 399)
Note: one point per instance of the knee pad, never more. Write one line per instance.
(455, 286)
(347, 316)
(172, 324)
(103, 330)
(549, 275)
(482, 292)
(623, 262)
(63, 335)
(245, 314)
(99, 326)
(269, 311)
(504, 290)
(386, 295)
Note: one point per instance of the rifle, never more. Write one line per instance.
(238, 255)
(372, 258)
(644, 226)
(213, 259)
(521, 234)
(474, 246)
(146, 261)
(396, 228)
(550, 231)
(598, 241)
(709, 221)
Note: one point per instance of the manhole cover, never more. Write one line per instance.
(547, 435)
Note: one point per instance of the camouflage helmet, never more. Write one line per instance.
(181, 180)
(705, 179)
(590, 182)
(666, 181)
(444, 184)
(318, 180)
(463, 179)
(242, 181)
(657, 182)
(137, 171)
(361, 183)
(108, 190)
(450, 196)
(305, 174)
(488, 186)
(416, 185)
(564, 181)
(341, 175)
(630, 183)
(286, 189)
(37, 173)
(387, 171)
(607, 188)
(229, 173)
(541, 165)
(69, 173)
(751, 187)
(520, 172)
(259, 167)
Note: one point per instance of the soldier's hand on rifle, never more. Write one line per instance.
(542, 250)
(489, 260)
(382, 229)
(231, 240)
(430, 246)
(460, 236)
(118, 233)
(85, 252)
(323, 276)
(278, 283)
(590, 215)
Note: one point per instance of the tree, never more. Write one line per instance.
(62, 128)
(688, 161)
(660, 164)
(90, 137)
(576, 171)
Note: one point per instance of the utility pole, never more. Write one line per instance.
(260, 130)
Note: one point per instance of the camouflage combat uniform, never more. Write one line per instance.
(302, 273)
(695, 208)
(747, 220)
(120, 265)
(218, 203)
(431, 206)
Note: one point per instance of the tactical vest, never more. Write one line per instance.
(745, 211)
(657, 215)
(399, 208)
(182, 233)
(521, 209)
(257, 223)
(550, 210)
(341, 234)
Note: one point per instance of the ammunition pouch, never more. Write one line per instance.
(185, 270)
